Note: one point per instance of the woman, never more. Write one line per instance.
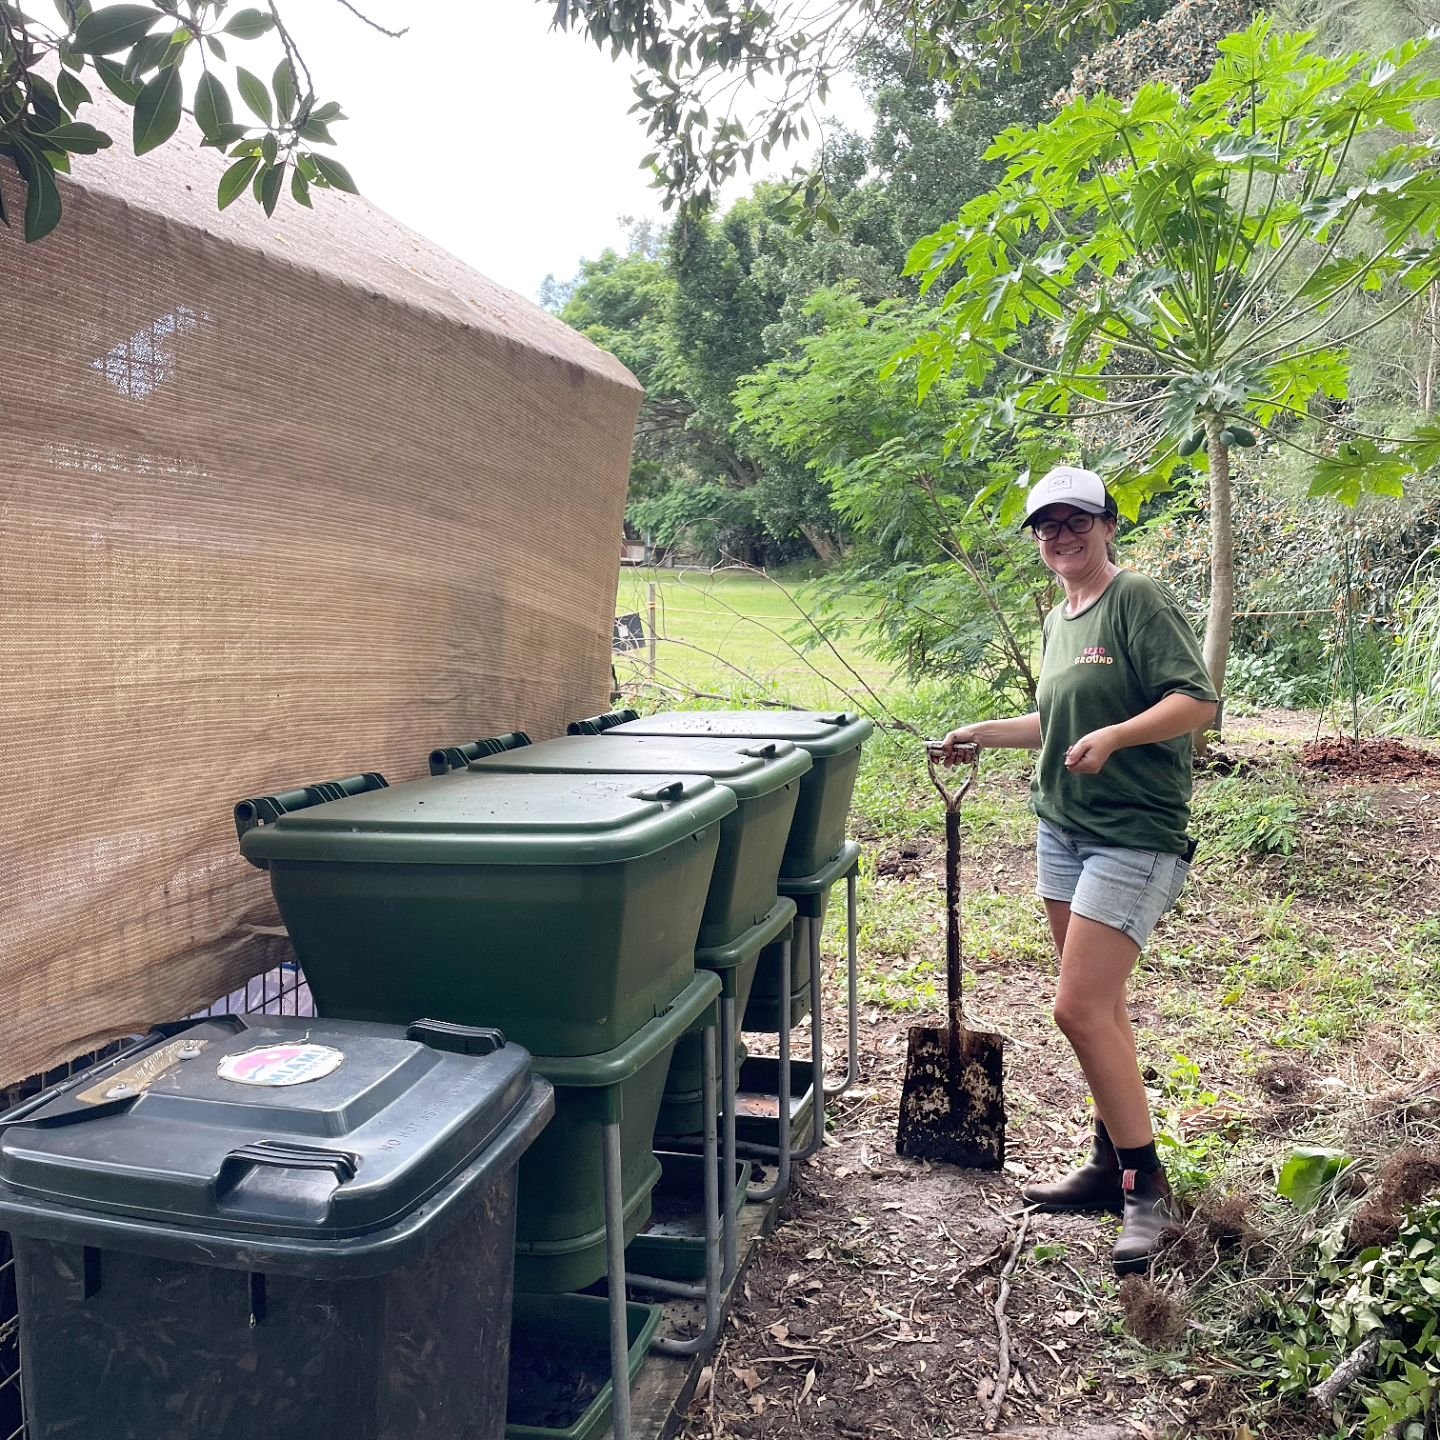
(1122, 686)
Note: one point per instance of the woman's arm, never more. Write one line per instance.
(1170, 717)
(1021, 733)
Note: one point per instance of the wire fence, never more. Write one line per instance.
(281, 991)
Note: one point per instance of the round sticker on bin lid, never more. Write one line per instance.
(281, 1064)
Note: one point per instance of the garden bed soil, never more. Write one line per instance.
(869, 1314)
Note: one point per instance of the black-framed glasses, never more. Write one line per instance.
(1075, 524)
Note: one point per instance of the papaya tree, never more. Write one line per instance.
(1201, 265)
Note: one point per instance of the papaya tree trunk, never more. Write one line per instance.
(1220, 621)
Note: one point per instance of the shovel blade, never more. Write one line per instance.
(952, 1109)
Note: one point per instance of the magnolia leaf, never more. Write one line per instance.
(157, 110)
(114, 28)
(235, 179)
(1307, 1174)
(254, 93)
(213, 111)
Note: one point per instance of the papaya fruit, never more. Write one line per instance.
(1191, 443)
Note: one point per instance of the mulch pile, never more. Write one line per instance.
(1369, 759)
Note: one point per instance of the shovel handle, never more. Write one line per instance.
(954, 967)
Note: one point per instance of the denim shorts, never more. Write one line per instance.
(1128, 890)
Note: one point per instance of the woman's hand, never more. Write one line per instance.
(1087, 756)
(955, 741)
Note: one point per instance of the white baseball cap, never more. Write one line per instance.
(1069, 485)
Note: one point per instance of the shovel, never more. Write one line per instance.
(952, 1107)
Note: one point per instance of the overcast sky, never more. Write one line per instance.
(510, 145)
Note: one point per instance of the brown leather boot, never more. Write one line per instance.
(1094, 1186)
(1147, 1216)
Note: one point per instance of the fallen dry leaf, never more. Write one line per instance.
(747, 1375)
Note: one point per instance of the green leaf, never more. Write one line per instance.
(270, 188)
(269, 147)
(327, 112)
(249, 24)
(235, 179)
(213, 111)
(115, 82)
(115, 28)
(254, 94)
(317, 132)
(283, 84)
(1308, 1172)
(77, 138)
(300, 189)
(216, 48)
(1359, 466)
(42, 195)
(157, 110)
(146, 56)
(72, 93)
(225, 136)
(334, 174)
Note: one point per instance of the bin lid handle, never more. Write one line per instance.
(671, 790)
(462, 1039)
(283, 1155)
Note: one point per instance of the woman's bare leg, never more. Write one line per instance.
(1095, 963)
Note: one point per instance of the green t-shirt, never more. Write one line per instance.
(1109, 663)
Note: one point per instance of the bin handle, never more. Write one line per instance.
(671, 790)
(267, 809)
(766, 750)
(462, 1039)
(599, 724)
(283, 1155)
(445, 758)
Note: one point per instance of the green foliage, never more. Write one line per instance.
(1309, 1174)
(137, 51)
(1201, 261)
(927, 558)
(1293, 603)
(1151, 235)
(1238, 818)
(1391, 1290)
(694, 58)
(1410, 694)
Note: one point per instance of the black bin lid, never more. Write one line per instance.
(266, 1124)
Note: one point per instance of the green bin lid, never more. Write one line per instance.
(821, 732)
(264, 1125)
(750, 768)
(518, 819)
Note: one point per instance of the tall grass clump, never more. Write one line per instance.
(1410, 696)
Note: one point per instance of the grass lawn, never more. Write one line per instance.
(738, 635)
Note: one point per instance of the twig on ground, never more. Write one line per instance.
(1002, 1327)
(1349, 1370)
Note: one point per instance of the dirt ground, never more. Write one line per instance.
(871, 1311)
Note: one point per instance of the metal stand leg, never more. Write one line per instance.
(852, 966)
(615, 1264)
(728, 1082)
(781, 1186)
(707, 1337)
(817, 1042)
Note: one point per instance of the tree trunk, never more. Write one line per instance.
(1221, 620)
(826, 549)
